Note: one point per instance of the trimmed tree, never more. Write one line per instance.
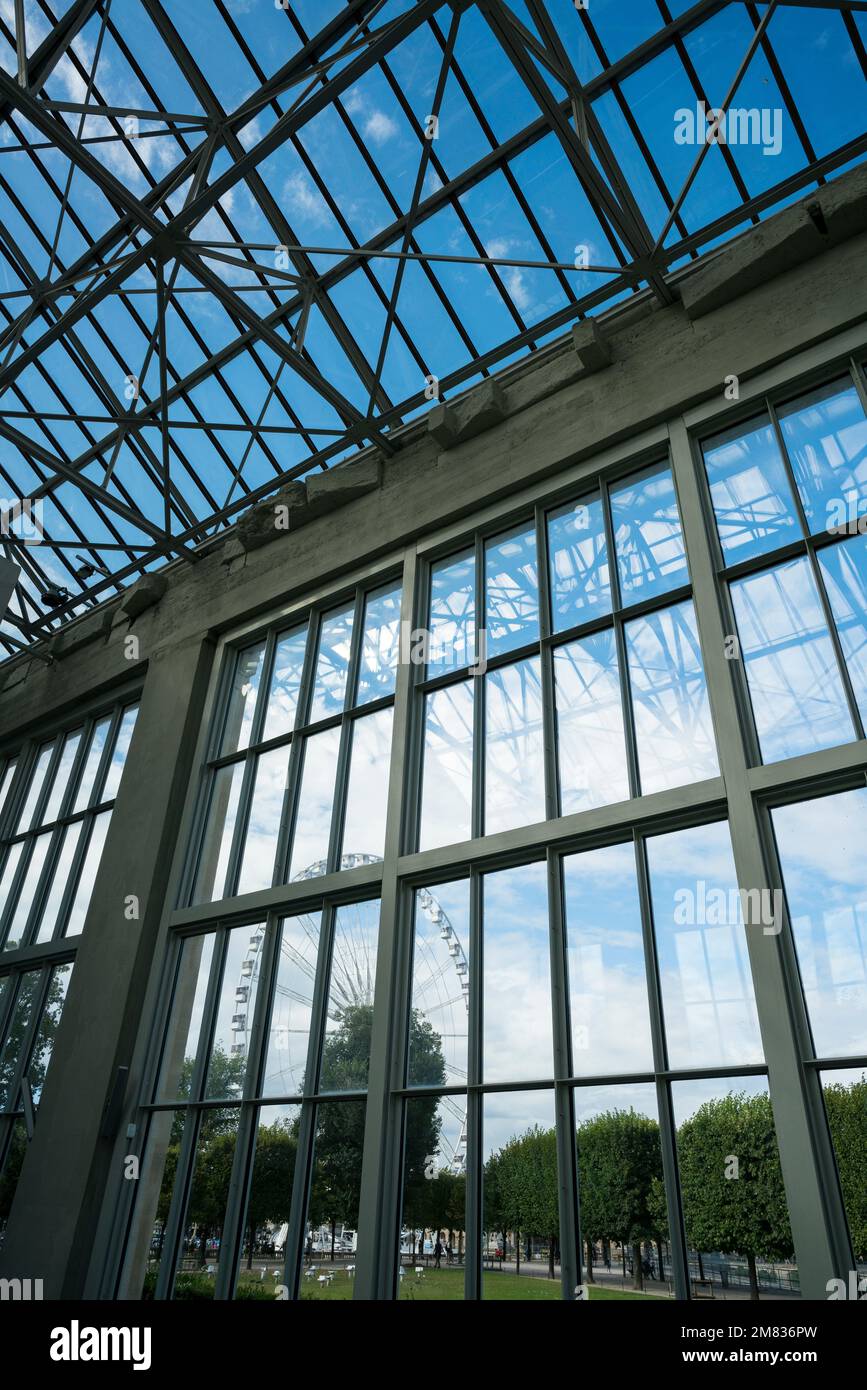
(619, 1157)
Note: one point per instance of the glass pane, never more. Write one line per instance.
(263, 826)
(580, 579)
(452, 614)
(235, 1008)
(34, 791)
(651, 558)
(59, 882)
(514, 746)
(590, 740)
(61, 778)
(15, 1034)
(145, 1247)
(605, 960)
(43, 1046)
(81, 901)
(624, 1222)
(331, 1236)
(433, 1225)
(332, 664)
(673, 726)
(292, 1009)
(241, 709)
(27, 892)
(8, 774)
(794, 682)
(10, 869)
(520, 1214)
(511, 591)
(751, 496)
(846, 1106)
(313, 821)
(447, 779)
(367, 797)
(438, 1033)
(12, 1166)
(844, 569)
(826, 436)
(119, 752)
(183, 1033)
(346, 1054)
(380, 646)
(91, 764)
(285, 683)
(217, 841)
(202, 1236)
(698, 914)
(821, 848)
(266, 1219)
(518, 1042)
(734, 1203)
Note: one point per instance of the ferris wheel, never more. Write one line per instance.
(440, 993)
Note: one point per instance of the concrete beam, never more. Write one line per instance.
(825, 218)
(591, 345)
(144, 594)
(259, 526)
(469, 416)
(338, 486)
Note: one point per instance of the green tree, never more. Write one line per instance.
(744, 1214)
(847, 1118)
(520, 1187)
(273, 1175)
(619, 1157)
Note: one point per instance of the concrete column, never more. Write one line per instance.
(60, 1193)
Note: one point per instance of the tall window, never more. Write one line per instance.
(297, 780)
(580, 624)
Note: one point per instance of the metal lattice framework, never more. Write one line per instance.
(176, 342)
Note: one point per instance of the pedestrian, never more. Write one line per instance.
(438, 1252)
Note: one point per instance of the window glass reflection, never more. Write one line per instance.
(60, 881)
(821, 848)
(119, 752)
(202, 1237)
(263, 826)
(844, 569)
(61, 778)
(380, 646)
(514, 743)
(452, 614)
(750, 492)
(447, 775)
(367, 796)
(183, 1035)
(313, 820)
(651, 558)
(518, 1042)
(511, 591)
(826, 436)
(578, 557)
(241, 709)
(590, 740)
(605, 961)
(91, 765)
(87, 876)
(269, 1202)
(845, 1093)
(698, 915)
(235, 1008)
(673, 726)
(220, 829)
(285, 683)
(332, 664)
(27, 892)
(331, 1233)
(795, 687)
(433, 1223)
(34, 791)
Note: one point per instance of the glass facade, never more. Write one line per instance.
(557, 1025)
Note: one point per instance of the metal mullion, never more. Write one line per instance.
(232, 1239)
(564, 1108)
(673, 1197)
(57, 834)
(40, 997)
(105, 758)
(477, 809)
(629, 734)
(474, 1215)
(546, 658)
(576, 633)
(816, 570)
(297, 751)
(792, 550)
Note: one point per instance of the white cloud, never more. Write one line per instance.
(305, 199)
(380, 128)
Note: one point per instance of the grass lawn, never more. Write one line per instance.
(447, 1285)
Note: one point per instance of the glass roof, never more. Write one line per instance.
(239, 237)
